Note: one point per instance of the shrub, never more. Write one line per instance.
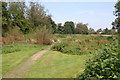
(72, 50)
(54, 39)
(67, 47)
(13, 34)
(60, 46)
(8, 40)
(40, 35)
(105, 65)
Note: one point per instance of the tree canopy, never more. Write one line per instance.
(81, 28)
(69, 27)
(17, 14)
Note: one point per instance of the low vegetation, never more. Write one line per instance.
(67, 47)
(13, 56)
(77, 46)
(55, 64)
(40, 35)
(104, 65)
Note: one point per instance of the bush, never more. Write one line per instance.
(105, 65)
(40, 35)
(60, 46)
(67, 47)
(72, 50)
(13, 34)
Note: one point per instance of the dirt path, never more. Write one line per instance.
(20, 71)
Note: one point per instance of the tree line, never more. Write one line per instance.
(17, 14)
(29, 17)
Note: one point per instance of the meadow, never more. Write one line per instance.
(67, 58)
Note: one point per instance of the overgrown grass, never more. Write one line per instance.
(57, 65)
(67, 48)
(77, 44)
(13, 56)
(60, 35)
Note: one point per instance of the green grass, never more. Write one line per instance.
(60, 36)
(79, 44)
(54, 64)
(14, 58)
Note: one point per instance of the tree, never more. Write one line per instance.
(81, 28)
(113, 30)
(37, 15)
(53, 25)
(116, 23)
(99, 31)
(69, 27)
(106, 31)
(60, 28)
(5, 17)
(91, 31)
(17, 14)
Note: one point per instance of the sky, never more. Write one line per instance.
(96, 14)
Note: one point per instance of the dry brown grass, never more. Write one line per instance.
(54, 39)
(40, 36)
(13, 34)
(100, 42)
(7, 40)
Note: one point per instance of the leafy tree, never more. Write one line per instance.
(5, 17)
(99, 30)
(91, 31)
(113, 30)
(81, 28)
(53, 26)
(69, 27)
(116, 23)
(37, 15)
(17, 14)
(106, 31)
(60, 28)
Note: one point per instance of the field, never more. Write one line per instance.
(65, 59)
